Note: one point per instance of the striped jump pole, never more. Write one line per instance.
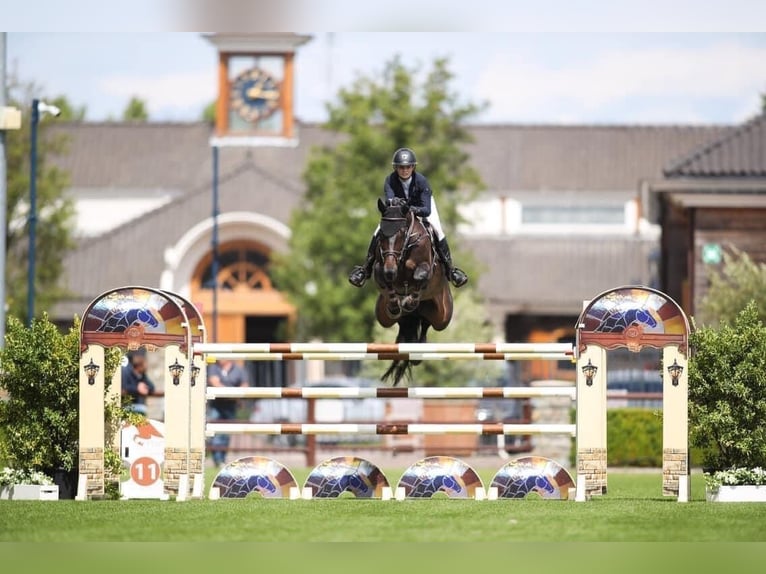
(386, 351)
(387, 429)
(522, 349)
(308, 356)
(388, 392)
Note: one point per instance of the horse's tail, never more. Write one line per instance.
(410, 331)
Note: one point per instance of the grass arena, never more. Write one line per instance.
(359, 499)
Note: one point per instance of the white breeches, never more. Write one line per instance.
(433, 219)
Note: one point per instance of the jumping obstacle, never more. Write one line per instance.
(632, 317)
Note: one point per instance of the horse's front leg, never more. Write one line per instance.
(423, 272)
(393, 305)
(411, 301)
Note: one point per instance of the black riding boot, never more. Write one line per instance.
(457, 276)
(361, 273)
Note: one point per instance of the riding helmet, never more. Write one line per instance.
(404, 156)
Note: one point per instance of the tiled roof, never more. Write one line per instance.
(553, 275)
(740, 152)
(589, 157)
(267, 180)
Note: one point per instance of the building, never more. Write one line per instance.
(712, 199)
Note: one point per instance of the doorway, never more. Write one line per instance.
(266, 329)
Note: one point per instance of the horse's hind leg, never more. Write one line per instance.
(424, 325)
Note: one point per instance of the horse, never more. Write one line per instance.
(413, 288)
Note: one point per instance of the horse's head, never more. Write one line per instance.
(394, 222)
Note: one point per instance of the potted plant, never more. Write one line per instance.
(39, 374)
(736, 485)
(727, 403)
(26, 485)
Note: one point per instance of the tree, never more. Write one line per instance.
(135, 111)
(739, 281)
(69, 112)
(727, 391)
(333, 226)
(208, 113)
(55, 211)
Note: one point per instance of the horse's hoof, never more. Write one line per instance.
(394, 310)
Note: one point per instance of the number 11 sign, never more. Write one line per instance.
(143, 452)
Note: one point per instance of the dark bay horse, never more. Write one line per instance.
(413, 289)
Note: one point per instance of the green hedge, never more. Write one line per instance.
(634, 438)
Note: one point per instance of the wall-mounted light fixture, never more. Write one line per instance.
(194, 372)
(589, 371)
(176, 370)
(675, 371)
(91, 370)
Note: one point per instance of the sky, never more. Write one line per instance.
(557, 70)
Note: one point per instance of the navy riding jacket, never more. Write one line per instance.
(420, 192)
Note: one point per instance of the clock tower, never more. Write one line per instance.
(255, 86)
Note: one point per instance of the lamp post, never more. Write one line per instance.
(675, 370)
(214, 244)
(589, 371)
(176, 370)
(91, 370)
(38, 108)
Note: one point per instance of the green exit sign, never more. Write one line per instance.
(712, 254)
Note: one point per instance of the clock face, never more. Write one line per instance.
(255, 94)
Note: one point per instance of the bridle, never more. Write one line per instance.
(411, 239)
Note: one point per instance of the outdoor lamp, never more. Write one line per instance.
(675, 371)
(91, 370)
(176, 370)
(589, 371)
(194, 372)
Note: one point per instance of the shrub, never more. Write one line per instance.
(727, 392)
(40, 373)
(634, 437)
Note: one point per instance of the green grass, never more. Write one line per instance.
(633, 510)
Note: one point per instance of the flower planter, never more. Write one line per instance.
(29, 492)
(739, 493)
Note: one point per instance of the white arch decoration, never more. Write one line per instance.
(182, 258)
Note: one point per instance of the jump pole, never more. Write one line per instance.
(389, 392)
(212, 429)
(376, 348)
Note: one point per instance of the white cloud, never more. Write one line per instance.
(527, 91)
(166, 95)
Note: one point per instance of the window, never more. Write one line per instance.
(573, 214)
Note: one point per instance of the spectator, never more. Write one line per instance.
(224, 373)
(136, 384)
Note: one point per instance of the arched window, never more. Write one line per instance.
(241, 267)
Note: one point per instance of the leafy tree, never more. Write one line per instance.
(208, 114)
(55, 211)
(333, 226)
(739, 281)
(727, 391)
(135, 111)
(69, 112)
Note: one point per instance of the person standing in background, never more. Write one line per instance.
(136, 384)
(224, 373)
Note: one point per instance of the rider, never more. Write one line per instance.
(404, 182)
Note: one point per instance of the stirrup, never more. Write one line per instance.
(458, 277)
(358, 276)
